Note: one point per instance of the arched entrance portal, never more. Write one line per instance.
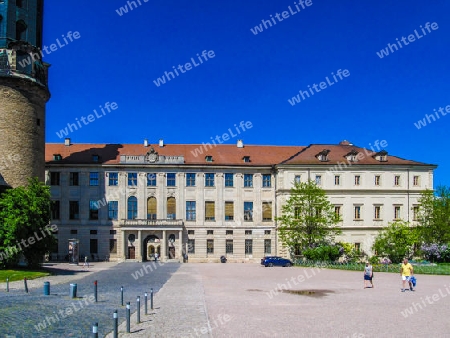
(150, 247)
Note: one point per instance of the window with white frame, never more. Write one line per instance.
(357, 212)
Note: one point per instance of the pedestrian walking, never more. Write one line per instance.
(86, 262)
(406, 271)
(156, 256)
(368, 275)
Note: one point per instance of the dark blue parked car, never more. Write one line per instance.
(275, 261)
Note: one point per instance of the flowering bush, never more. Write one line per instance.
(436, 252)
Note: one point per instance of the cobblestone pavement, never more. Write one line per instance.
(61, 316)
(180, 310)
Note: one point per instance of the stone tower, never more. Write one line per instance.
(23, 91)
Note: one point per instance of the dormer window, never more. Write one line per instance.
(208, 158)
(95, 158)
(323, 155)
(57, 157)
(381, 156)
(352, 156)
(246, 159)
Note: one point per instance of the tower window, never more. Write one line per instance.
(21, 29)
(21, 3)
(38, 122)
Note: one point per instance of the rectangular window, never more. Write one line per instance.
(209, 180)
(267, 211)
(318, 179)
(171, 208)
(74, 210)
(229, 180)
(210, 214)
(55, 178)
(297, 178)
(248, 232)
(267, 181)
(357, 214)
(93, 246)
(337, 210)
(249, 246)
(93, 179)
(132, 179)
(357, 180)
(229, 246)
(151, 180)
(397, 180)
(337, 180)
(357, 247)
(415, 213)
(171, 182)
(93, 210)
(73, 232)
(267, 246)
(397, 210)
(267, 232)
(377, 180)
(229, 211)
(416, 181)
(209, 246)
(377, 212)
(112, 245)
(248, 180)
(93, 232)
(248, 211)
(74, 179)
(191, 246)
(191, 232)
(229, 232)
(113, 210)
(113, 179)
(55, 209)
(190, 180)
(190, 211)
(210, 232)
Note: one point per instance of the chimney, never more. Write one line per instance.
(67, 141)
(240, 144)
(161, 142)
(145, 143)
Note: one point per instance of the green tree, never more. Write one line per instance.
(307, 218)
(25, 217)
(396, 241)
(434, 216)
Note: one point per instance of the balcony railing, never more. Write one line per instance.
(151, 222)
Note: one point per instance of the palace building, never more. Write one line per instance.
(130, 201)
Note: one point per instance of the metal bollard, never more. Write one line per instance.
(46, 288)
(121, 296)
(138, 307)
(25, 283)
(145, 303)
(128, 317)
(7, 284)
(151, 298)
(95, 290)
(73, 290)
(116, 325)
(95, 330)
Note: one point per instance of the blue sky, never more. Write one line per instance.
(251, 77)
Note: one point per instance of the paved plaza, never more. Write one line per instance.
(232, 300)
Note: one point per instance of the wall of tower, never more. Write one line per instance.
(22, 130)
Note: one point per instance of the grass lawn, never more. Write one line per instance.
(439, 269)
(15, 275)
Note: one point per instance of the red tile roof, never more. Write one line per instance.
(194, 154)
